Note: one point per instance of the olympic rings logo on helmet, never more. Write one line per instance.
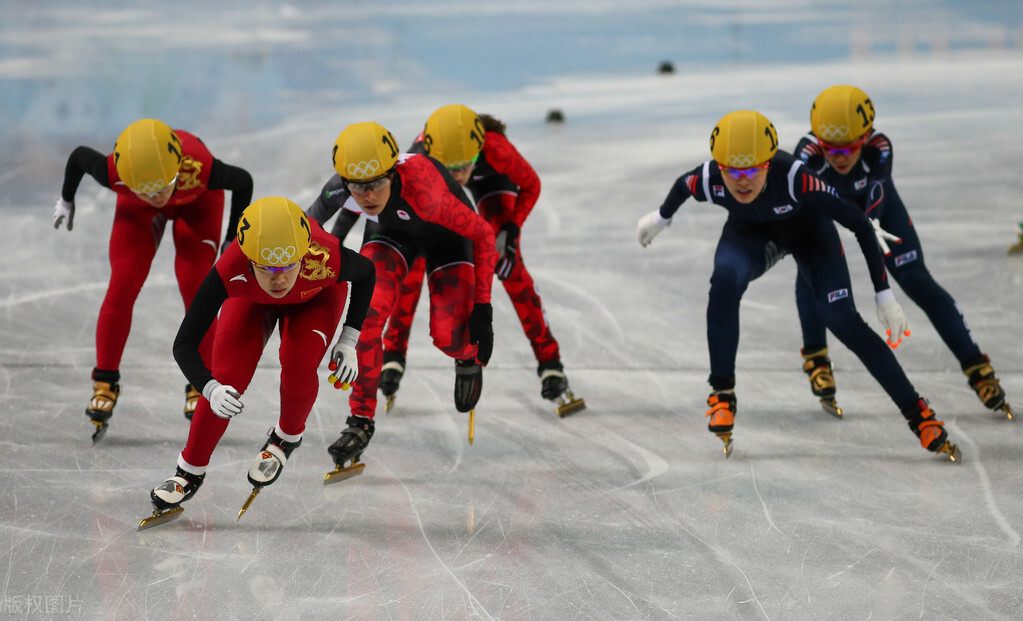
(833, 133)
(278, 255)
(361, 170)
(744, 160)
(151, 187)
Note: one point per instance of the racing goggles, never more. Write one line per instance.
(749, 173)
(848, 149)
(373, 185)
(270, 269)
(462, 168)
(161, 190)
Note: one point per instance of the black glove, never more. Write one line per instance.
(481, 331)
(507, 243)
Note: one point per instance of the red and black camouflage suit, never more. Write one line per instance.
(505, 188)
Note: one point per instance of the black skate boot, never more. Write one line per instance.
(930, 430)
(723, 406)
(349, 446)
(268, 465)
(168, 496)
(390, 376)
(554, 387)
(817, 367)
(468, 384)
(983, 381)
(104, 397)
(191, 400)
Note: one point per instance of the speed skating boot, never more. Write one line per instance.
(981, 376)
(930, 430)
(722, 416)
(817, 366)
(101, 406)
(268, 465)
(390, 377)
(191, 400)
(168, 496)
(349, 447)
(554, 387)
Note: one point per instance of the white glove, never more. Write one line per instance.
(650, 225)
(884, 236)
(891, 316)
(344, 362)
(61, 210)
(223, 399)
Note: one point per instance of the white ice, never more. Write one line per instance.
(627, 510)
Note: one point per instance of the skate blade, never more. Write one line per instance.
(569, 404)
(1008, 411)
(1017, 248)
(727, 439)
(101, 430)
(252, 496)
(340, 474)
(831, 407)
(389, 404)
(472, 425)
(951, 451)
(161, 517)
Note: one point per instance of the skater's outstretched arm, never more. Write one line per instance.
(239, 182)
(198, 319)
(81, 161)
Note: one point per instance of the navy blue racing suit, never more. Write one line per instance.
(869, 185)
(794, 214)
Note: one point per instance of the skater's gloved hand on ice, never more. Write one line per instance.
(224, 400)
(650, 225)
(63, 209)
(891, 315)
(507, 243)
(481, 331)
(884, 236)
(344, 362)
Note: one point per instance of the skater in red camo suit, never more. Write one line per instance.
(480, 157)
(158, 175)
(284, 270)
(415, 209)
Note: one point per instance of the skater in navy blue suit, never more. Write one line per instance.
(845, 151)
(776, 206)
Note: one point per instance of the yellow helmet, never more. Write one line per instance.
(364, 151)
(147, 155)
(453, 135)
(841, 115)
(273, 231)
(743, 139)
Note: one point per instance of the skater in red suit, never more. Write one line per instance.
(415, 209)
(158, 175)
(283, 270)
(480, 157)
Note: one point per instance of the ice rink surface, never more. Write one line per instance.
(627, 510)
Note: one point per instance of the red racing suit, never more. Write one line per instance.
(307, 318)
(196, 209)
